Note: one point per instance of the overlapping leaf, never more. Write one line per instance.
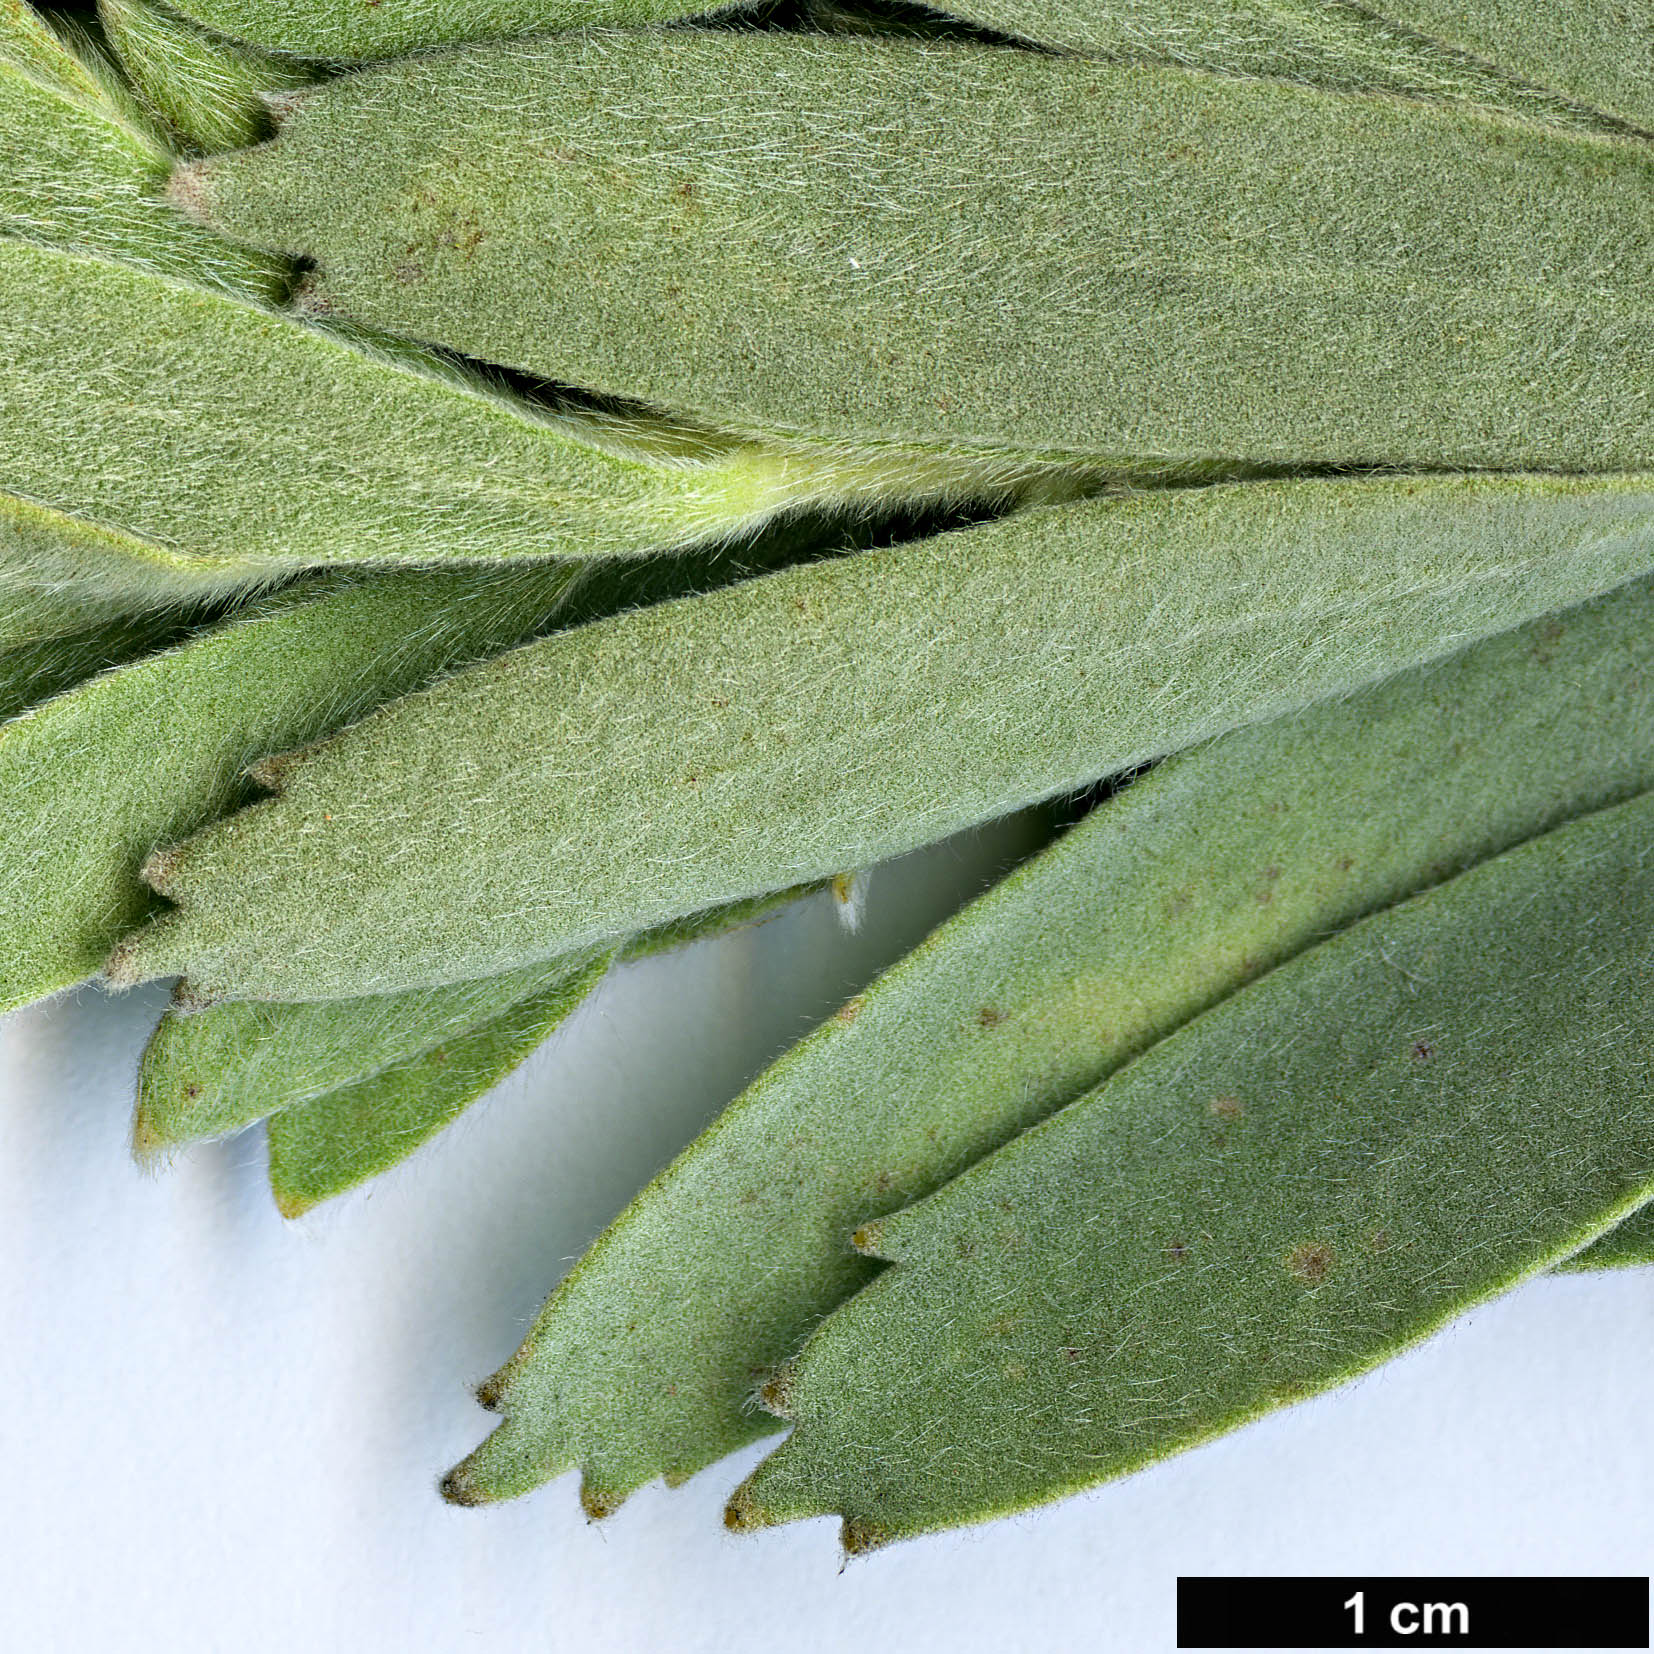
(1419, 1113)
(1169, 897)
(605, 780)
(91, 781)
(899, 239)
(209, 93)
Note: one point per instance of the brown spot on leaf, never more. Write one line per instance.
(597, 1503)
(988, 1017)
(1310, 1261)
(1227, 1107)
(850, 1009)
(1423, 1050)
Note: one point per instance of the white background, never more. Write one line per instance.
(222, 1431)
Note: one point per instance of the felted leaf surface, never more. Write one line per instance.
(1626, 1245)
(620, 774)
(211, 1072)
(1171, 895)
(900, 239)
(325, 1147)
(208, 91)
(35, 671)
(77, 174)
(213, 429)
(60, 576)
(329, 29)
(1599, 51)
(1322, 42)
(92, 781)
(1380, 1133)
(30, 43)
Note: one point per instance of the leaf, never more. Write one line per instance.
(1335, 45)
(200, 424)
(1170, 896)
(209, 92)
(1626, 1245)
(892, 239)
(620, 774)
(362, 1083)
(34, 670)
(1309, 40)
(323, 29)
(92, 781)
(213, 1072)
(1599, 51)
(29, 43)
(59, 576)
(323, 1148)
(1328, 1166)
(79, 174)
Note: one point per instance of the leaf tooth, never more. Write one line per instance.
(189, 191)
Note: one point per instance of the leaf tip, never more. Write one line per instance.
(457, 1488)
(744, 1514)
(859, 1537)
(776, 1395)
(189, 190)
(598, 1502)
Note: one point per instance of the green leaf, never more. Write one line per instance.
(79, 173)
(611, 778)
(34, 670)
(1579, 45)
(323, 1148)
(60, 576)
(904, 240)
(360, 1084)
(28, 42)
(191, 421)
(326, 29)
(1382, 1132)
(208, 1073)
(92, 781)
(1170, 896)
(1626, 1245)
(209, 92)
(1322, 42)
(1599, 51)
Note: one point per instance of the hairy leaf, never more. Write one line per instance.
(362, 1083)
(92, 781)
(1599, 51)
(1626, 1245)
(331, 29)
(78, 173)
(208, 1073)
(899, 239)
(34, 670)
(826, 717)
(194, 422)
(209, 92)
(323, 1148)
(1323, 42)
(1168, 897)
(1391, 1127)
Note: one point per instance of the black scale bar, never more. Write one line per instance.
(1412, 1613)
